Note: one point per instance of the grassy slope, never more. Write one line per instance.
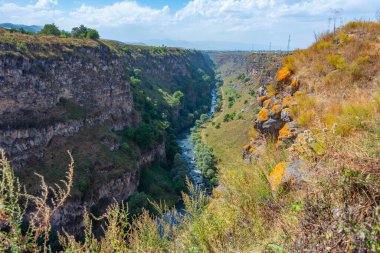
(226, 141)
(339, 102)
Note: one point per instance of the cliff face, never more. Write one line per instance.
(106, 191)
(70, 94)
(44, 97)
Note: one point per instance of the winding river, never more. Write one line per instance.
(188, 152)
(195, 175)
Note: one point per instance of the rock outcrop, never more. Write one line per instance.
(32, 89)
(70, 216)
(275, 116)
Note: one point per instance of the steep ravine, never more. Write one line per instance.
(78, 95)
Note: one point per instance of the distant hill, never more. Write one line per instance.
(31, 28)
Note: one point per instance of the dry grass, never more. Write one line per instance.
(13, 205)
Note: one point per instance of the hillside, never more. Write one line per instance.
(315, 146)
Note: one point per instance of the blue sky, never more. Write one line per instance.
(202, 24)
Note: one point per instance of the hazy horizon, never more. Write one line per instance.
(199, 24)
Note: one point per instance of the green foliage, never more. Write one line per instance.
(135, 81)
(22, 47)
(206, 161)
(83, 185)
(20, 30)
(50, 29)
(79, 32)
(178, 98)
(164, 184)
(229, 116)
(125, 147)
(92, 34)
(219, 102)
(85, 32)
(65, 34)
(137, 73)
(146, 135)
(179, 173)
(137, 202)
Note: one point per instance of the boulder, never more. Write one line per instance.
(286, 173)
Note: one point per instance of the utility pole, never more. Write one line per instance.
(330, 19)
(336, 13)
(288, 44)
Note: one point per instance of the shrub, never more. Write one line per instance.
(137, 73)
(125, 147)
(323, 45)
(344, 38)
(229, 116)
(337, 61)
(289, 62)
(135, 81)
(92, 34)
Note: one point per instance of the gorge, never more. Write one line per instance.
(282, 147)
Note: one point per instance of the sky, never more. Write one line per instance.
(200, 24)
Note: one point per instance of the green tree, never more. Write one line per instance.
(92, 34)
(178, 98)
(50, 29)
(79, 32)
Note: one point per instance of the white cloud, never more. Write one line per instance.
(45, 3)
(28, 14)
(120, 13)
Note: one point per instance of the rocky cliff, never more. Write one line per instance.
(61, 94)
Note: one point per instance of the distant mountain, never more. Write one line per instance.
(31, 28)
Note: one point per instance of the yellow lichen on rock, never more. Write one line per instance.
(263, 115)
(283, 74)
(266, 103)
(277, 175)
(276, 109)
(288, 101)
(263, 98)
(294, 84)
(284, 132)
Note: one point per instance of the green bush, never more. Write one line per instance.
(135, 81)
(337, 61)
(85, 32)
(229, 116)
(50, 29)
(92, 34)
(125, 147)
(79, 32)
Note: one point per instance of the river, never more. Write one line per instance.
(188, 152)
